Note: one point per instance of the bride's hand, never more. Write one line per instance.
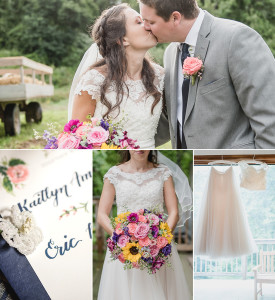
(171, 203)
(83, 106)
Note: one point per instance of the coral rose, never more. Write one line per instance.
(161, 242)
(191, 65)
(132, 228)
(118, 229)
(142, 219)
(154, 251)
(144, 242)
(17, 173)
(121, 257)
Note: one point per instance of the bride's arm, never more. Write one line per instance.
(83, 106)
(171, 203)
(105, 205)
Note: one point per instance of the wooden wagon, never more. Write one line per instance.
(22, 79)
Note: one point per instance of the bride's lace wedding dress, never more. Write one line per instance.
(138, 191)
(135, 109)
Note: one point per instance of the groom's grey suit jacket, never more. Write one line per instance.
(233, 105)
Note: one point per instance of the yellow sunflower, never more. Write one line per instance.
(132, 252)
(166, 231)
(105, 146)
(122, 217)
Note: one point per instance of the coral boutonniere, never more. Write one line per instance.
(192, 67)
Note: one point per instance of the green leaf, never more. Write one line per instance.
(15, 162)
(3, 170)
(7, 184)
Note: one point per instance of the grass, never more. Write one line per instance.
(54, 110)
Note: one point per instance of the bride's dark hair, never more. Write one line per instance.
(152, 157)
(108, 32)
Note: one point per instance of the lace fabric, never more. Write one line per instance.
(20, 231)
(139, 190)
(253, 178)
(135, 109)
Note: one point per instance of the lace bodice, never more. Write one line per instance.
(135, 108)
(139, 190)
(253, 178)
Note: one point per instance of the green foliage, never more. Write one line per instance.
(7, 184)
(15, 161)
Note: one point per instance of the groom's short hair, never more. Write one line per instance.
(164, 8)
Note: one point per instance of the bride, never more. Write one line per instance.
(139, 183)
(124, 85)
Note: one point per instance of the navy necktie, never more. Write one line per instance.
(185, 89)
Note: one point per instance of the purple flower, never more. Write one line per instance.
(115, 237)
(87, 146)
(133, 218)
(72, 126)
(166, 250)
(155, 231)
(126, 231)
(157, 264)
(146, 211)
(51, 143)
(104, 124)
(148, 260)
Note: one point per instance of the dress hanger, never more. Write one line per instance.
(222, 162)
(252, 161)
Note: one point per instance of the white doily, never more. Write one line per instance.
(20, 231)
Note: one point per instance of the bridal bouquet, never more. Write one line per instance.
(141, 240)
(96, 134)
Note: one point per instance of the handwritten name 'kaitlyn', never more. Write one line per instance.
(52, 251)
(43, 196)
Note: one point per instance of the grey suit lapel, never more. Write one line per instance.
(200, 52)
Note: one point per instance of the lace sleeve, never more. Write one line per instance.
(166, 173)
(111, 175)
(159, 80)
(90, 82)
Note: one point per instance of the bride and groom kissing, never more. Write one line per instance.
(231, 104)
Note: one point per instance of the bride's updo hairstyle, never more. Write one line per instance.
(108, 33)
(152, 157)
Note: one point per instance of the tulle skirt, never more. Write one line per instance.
(168, 283)
(223, 230)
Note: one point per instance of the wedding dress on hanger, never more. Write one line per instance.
(252, 177)
(223, 230)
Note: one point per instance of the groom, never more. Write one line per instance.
(233, 105)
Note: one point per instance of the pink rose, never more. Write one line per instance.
(122, 241)
(97, 136)
(154, 219)
(142, 219)
(154, 250)
(144, 242)
(118, 229)
(161, 242)
(153, 242)
(67, 141)
(142, 230)
(82, 130)
(132, 227)
(191, 65)
(121, 257)
(17, 173)
(124, 144)
(135, 265)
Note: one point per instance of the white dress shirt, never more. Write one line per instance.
(191, 40)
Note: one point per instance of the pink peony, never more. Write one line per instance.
(122, 241)
(132, 227)
(144, 242)
(121, 257)
(142, 230)
(17, 173)
(140, 211)
(67, 141)
(191, 66)
(154, 251)
(161, 242)
(97, 136)
(142, 219)
(154, 219)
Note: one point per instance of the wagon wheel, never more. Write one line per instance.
(33, 112)
(12, 119)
